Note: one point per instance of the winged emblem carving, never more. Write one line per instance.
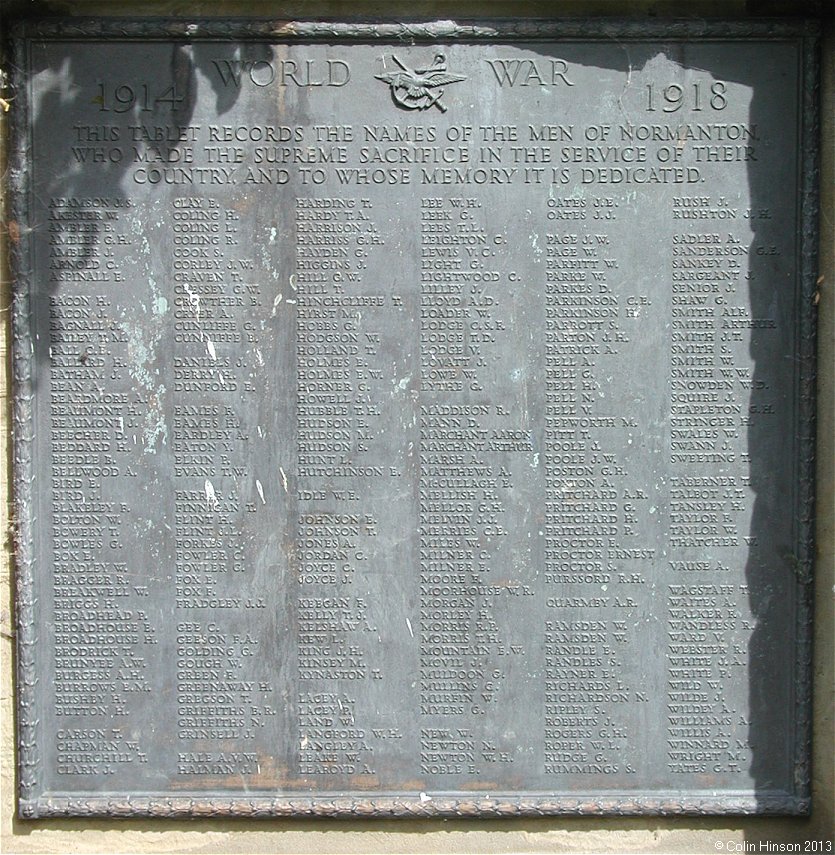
(421, 88)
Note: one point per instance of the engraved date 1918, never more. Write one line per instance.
(695, 96)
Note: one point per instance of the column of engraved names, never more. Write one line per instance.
(461, 483)
(708, 388)
(218, 701)
(587, 634)
(102, 634)
(338, 415)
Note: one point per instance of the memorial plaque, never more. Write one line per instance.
(413, 419)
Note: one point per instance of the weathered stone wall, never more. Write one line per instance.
(448, 836)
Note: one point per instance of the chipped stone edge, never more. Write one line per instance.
(28, 721)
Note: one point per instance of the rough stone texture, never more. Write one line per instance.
(517, 835)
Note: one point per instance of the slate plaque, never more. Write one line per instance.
(413, 419)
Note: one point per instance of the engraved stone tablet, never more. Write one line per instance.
(413, 420)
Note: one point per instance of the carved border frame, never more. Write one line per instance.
(35, 804)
